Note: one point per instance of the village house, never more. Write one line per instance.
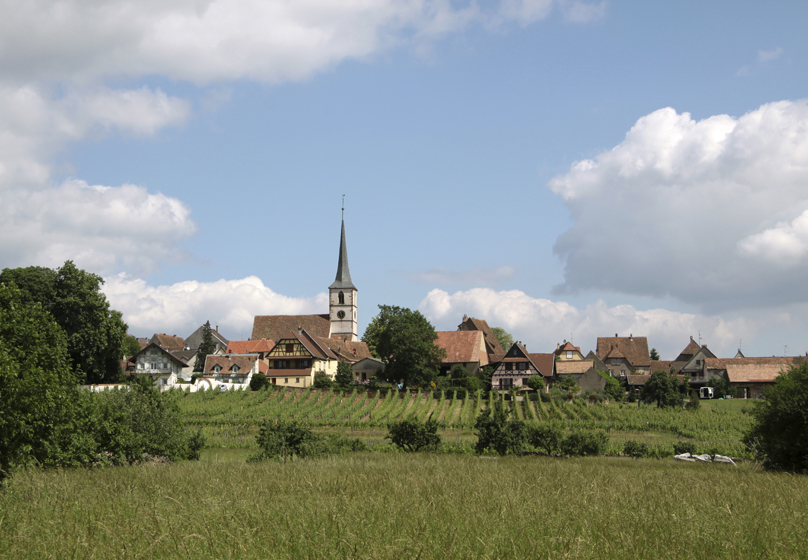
(747, 377)
(367, 368)
(158, 363)
(233, 368)
(517, 366)
(624, 355)
(464, 348)
(194, 341)
(262, 347)
(297, 357)
(493, 348)
(170, 342)
(569, 361)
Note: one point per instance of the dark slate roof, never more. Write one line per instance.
(274, 327)
(343, 279)
(194, 341)
(633, 348)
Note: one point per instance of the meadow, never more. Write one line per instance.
(396, 505)
(230, 419)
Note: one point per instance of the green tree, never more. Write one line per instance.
(720, 386)
(614, 390)
(206, 347)
(654, 354)
(259, 381)
(779, 436)
(536, 382)
(411, 435)
(95, 333)
(567, 383)
(345, 375)
(39, 398)
(547, 436)
(407, 341)
(130, 346)
(661, 388)
(458, 372)
(505, 339)
(322, 381)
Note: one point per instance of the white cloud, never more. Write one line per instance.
(765, 56)
(202, 41)
(474, 277)
(180, 308)
(543, 323)
(582, 12)
(685, 208)
(103, 229)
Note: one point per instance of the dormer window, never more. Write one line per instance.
(217, 369)
(569, 354)
(235, 369)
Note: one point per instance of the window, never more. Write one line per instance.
(286, 380)
(508, 366)
(235, 369)
(522, 366)
(290, 348)
(622, 373)
(341, 298)
(569, 354)
(297, 380)
(507, 383)
(615, 361)
(303, 364)
(524, 381)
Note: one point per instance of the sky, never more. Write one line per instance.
(564, 169)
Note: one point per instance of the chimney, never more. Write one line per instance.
(299, 329)
(615, 335)
(630, 336)
(465, 317)
(217, 328)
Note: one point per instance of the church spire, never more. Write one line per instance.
(343, 279)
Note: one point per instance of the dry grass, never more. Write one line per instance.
(397, 506)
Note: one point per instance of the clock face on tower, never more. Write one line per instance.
(341, 314)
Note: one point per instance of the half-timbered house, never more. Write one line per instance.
(517, 366)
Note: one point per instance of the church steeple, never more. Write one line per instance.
(343, 279)
(342, 294)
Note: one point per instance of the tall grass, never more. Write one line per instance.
(391, 505)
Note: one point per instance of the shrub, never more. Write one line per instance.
(567, 384)
(497, 433)
(259, 381)
(585, 443)
(694, 403)
(545, 397)
(779, 436)
(322, 381)
(345, 375)
(546, 436)
(411, 435)
(635, 449)
(279, 439)
(460, 393)
(684, 447)
(442, 383)
(536, 382)
(458, 372)
(613, 390)
(472, 384)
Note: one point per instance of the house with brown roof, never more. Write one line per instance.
(493, 348)
(233, 368)
(624, 355)
(297, 356)
(194, 340)
(566, 352)
(517, 366)
(747, 377)
(693, 366)
(465, 348)
(168, 342)
(158, 363)
(261, 346)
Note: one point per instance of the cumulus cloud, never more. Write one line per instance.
(180, 308)
(543, 323)
(709, 211)
(213, 40)
(765, 56)
(474, 277)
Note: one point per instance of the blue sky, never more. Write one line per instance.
(559, 168)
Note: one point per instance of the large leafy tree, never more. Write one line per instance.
(205, 348)
(779, 436)
(662, 388)
(95, 333)
(39, 399)
(406, 339)
(504, 337)
(345, 375)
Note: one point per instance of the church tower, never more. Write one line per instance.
(342, 296)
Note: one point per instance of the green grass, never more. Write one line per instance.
(397, 506)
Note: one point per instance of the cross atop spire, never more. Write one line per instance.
(343, 279)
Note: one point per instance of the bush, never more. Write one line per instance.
(635, 449)
(458, 372)
(779, 436)
(536, 382)
(472, 384)
(684, 447)
(546, 436)
(613, 390)
(279, 439)
(545, 397)
(411, 435)
(322, 381)
(259, 381)
(345, 375)
(694, 403)
(567, 384)
(460, 393)
(580, 443)
(497, 433)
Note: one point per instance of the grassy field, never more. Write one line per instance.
(393, 505)
(229, 420)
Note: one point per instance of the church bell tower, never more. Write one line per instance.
(342, 295)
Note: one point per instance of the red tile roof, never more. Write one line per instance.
(753, 370)
(249, 346)
(661, 365)
(567, 346)
(463, 346)
(633, 348)
(573, 367)
(274, 327)
(492, 345)
(545, 363)
(347, 350)
(169, 342)
(227, 361)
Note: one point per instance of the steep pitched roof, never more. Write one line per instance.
(184, 355)
(317, 346)
(599, 365)
(343, 279)
(573, 367)
(661, 365)
(168, 341)
(168, 354)
(350, 351)
(274, 327)
(633, 348)
(227, 361)
(567, 346)
(249, 346)
(492, 345)
(194, 340)
(462, 346)
(688, 352)
(751, 370)
(545, 363)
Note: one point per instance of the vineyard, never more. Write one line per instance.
(230, 419)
